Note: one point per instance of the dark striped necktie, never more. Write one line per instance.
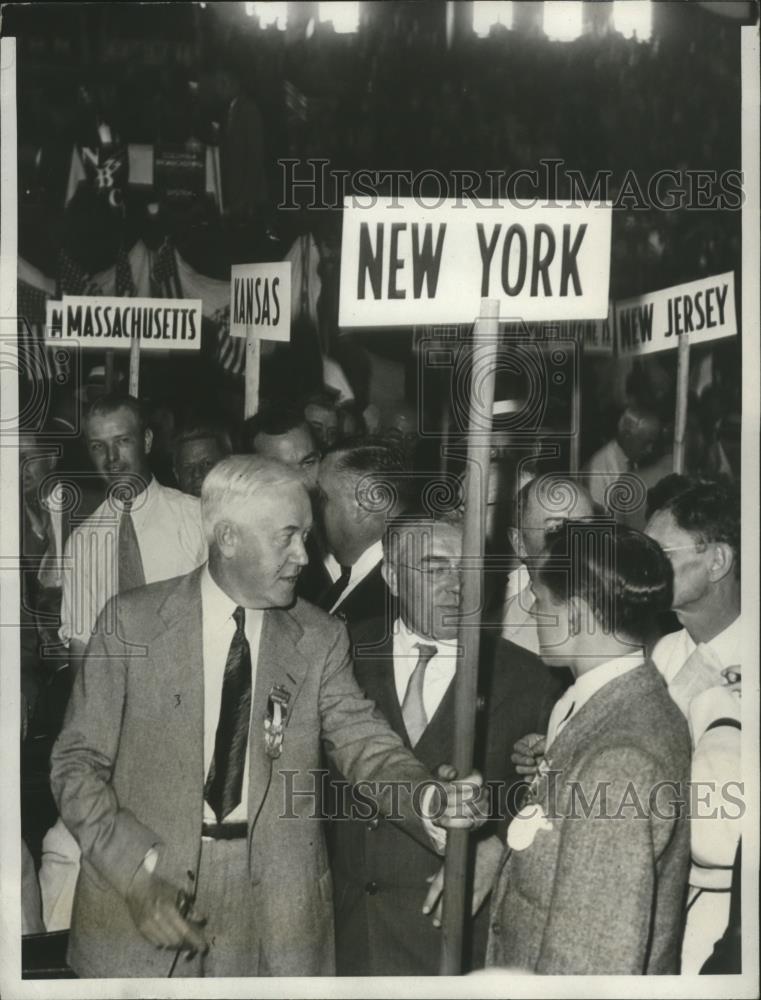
(224, 782)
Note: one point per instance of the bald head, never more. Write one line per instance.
(543, 504)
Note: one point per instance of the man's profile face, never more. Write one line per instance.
(117, 447)
(295, 448)
(427, 578)
(690, 560)
(269, 548)
(643, 444)
(194, 461)
(544, 510)
(551, 617)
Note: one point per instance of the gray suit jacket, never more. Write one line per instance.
(602, 891)
(128, 774)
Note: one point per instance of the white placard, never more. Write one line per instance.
(260, 300)
(704, 309)
(403, 264)
(53, 318)
(105, 322)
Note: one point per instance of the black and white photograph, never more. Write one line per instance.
(380, 397)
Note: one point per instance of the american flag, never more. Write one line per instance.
(74, 280)
(231, 351)
(164, 278)
(38, 357)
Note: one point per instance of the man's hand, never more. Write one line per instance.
(527, 752)
(154, 905)
(488, 856)
(458, 804)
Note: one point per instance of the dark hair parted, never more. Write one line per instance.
(272, 420)
(379, 474)
(711, 513)
(105, 405)
(623, 575)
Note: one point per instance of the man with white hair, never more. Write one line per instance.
(186, 764)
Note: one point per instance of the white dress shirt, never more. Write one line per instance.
(218, 631)
(587, 685)
(438, 674)
(361, 568)
(171, 541)
(673, 651)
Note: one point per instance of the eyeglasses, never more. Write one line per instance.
(437, 571)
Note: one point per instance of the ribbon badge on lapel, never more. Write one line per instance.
(525, 826)
(275, 719)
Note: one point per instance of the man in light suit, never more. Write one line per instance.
(380, 874)
(183, 768)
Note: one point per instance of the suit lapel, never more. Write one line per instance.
(280, 662)
(178, 655)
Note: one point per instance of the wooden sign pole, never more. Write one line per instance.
(134, 367)
(253, 362)
(682, 394)
(471, 597)
(109, 373)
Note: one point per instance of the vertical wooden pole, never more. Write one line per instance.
(253, 361)
(134, 367)
(682, 392)
(471, 597)
(109, 374)
(576, 412)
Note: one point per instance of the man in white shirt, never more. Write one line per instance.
(141, 533)
(699, 530)
(359, 488)
(540, 506)
(381, 875)
(635, 446)
(211, 846)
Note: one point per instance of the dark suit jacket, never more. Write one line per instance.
(127, 773)
(380, 874)
(601, 890)
(369, 600)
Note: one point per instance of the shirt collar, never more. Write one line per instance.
(727, 644)
(366, 562)
(593, 680)
(143, 500)
(408, 640)
(217, 606)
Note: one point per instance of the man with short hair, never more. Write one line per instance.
(282, 433)
(540, 506)
(195, 452)
(699, 530)
(184, 772)
(407, 668)
(321, 413)
(141, 533)
(359, 487)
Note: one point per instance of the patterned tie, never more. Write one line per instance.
(336, 588)
(131, 573)
(413, 708)
(225, 779)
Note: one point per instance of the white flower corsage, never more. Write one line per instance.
(525, 826)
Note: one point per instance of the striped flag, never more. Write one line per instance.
(164, 277)
(231, 351)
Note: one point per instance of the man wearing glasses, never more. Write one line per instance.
(407, 667)
(699, 530)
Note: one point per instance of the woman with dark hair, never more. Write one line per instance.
(594, 874)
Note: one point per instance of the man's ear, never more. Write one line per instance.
(226, 538)
(389, 574)
(516, 540)
(148, 440)
(722, 561)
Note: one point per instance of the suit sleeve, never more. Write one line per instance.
(603, 893)
(111, 838)
(364, 747)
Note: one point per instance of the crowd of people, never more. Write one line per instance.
(310, 545)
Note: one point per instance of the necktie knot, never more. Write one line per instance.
(427, 652)
(239, 617)
(127, 505)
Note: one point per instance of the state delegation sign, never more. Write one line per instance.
(403, 264)
(105, 322)
(260, 300)
(704, 310)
